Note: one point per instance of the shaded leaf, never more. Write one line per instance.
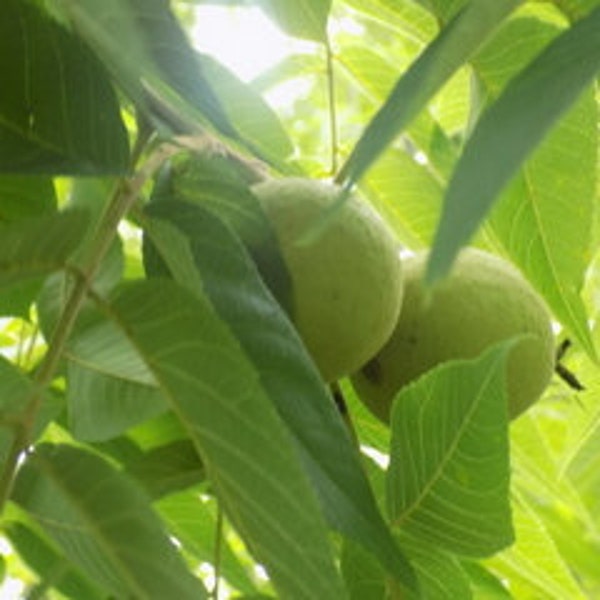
(53, 569)
(102, 406)
(440, 575)
(288, 376)
(23, 196)
(33, 247)
(58, 112)
(56, 289)
(199, 179)
(509, 130)
(16, 390)
(248, 454)
(449, 51)
(168, 468)
(103, 523)
(363, 575)
(448, 479)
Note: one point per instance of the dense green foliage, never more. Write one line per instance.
(163, 431)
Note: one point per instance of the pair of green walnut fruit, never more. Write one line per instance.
(361, 311)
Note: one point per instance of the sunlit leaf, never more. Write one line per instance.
(507, 133)
(483, 583)
(449, 475)
(544, 220)
(300, 18)
(58, 112)
(533, 562)
(455, 44)
(103, 523)
(412, 22)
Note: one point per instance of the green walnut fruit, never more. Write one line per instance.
(346, 278)
(483, 301)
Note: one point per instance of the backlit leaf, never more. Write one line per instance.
(448, 481)
(508, 132)
(454, 45)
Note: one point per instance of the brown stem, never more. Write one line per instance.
(124, 196)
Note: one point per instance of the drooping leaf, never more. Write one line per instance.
(166, 45)
(216, 185)
(217, 395)
(103, 523)
(232, 284)
(247, 111)
(53, 569)
(545, 218)
(509, 131)
(58, 112)
(449, 51)
(448, 481)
